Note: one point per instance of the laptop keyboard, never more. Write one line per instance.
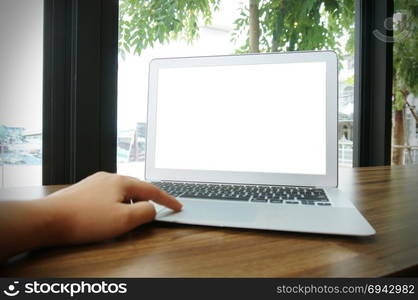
(249, 193)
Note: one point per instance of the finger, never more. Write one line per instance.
(141, 190)
(140, 213)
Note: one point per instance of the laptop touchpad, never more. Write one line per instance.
(209, 212)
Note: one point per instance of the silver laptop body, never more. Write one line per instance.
(249, 141)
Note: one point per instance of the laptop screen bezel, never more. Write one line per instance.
(330, 179)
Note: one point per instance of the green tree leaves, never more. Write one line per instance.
(288, 25)
(142, 23)
(405, 51)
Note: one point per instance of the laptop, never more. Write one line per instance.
(249, 141)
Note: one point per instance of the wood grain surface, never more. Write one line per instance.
(386, 196)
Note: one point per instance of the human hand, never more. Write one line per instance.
(98, 207)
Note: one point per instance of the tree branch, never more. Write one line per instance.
(412, 110)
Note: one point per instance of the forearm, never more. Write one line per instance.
(24, 225)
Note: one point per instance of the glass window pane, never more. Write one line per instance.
(405, 82)
(21, 35)
(211, 27)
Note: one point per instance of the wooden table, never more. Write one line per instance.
(387, 196)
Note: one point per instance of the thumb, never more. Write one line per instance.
(140, 213)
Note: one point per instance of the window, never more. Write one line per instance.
(21, 92)
(224, 27)
(405, 82)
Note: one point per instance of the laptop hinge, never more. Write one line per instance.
(212, 182)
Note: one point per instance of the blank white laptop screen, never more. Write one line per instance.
(249, 118)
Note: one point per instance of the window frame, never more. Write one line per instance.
(80, 89)
(372, 85)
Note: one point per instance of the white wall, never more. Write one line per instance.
(21, 43)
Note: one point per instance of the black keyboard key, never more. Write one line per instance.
(308, 202)
(236, 198)
(259, 200)
(292, 202)
(324, 203)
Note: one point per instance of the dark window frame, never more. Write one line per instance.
(373, 84)
(80, 87)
